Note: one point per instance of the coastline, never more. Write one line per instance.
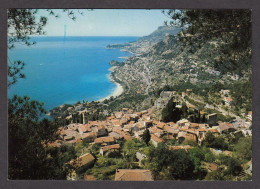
(119, 88)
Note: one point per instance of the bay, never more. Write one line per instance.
(62, 70)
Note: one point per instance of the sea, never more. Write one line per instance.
(65, 70)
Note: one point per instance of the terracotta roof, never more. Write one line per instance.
(160, 125)
(191, 137)
(170, 130)
(155, 130)
(104, 140)
(184, 128)
(116, 135)
(91, 134)
(185, 147)
(224, 127)
(114, 146)
(156, 139)
(83, 128)
(82, 160)
(202, 130)
(133, 175)
(194, 125)
(213, 131)
(89, 177)
(213, 167)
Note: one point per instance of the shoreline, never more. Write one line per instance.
(119, 88)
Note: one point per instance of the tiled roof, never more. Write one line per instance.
(114, 146)
(104, 139)
(133, 175)
(82, 160)
(156, 139)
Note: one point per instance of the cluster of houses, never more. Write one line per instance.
(127, 125)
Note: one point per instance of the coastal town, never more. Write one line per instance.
(179, 105)
(126, 125)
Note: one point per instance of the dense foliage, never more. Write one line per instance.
(28, 138)
(230, 29)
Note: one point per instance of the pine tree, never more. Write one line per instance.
(146, 136)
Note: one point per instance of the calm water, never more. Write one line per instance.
(62, 71)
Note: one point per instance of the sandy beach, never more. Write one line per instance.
(118, 91)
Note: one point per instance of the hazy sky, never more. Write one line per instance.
(106, 22)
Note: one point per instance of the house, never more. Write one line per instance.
(184, 147)
(139, 134)
(155, 130)
(134, 128)
(194, 125)
(106, 140)
(116, 136)
(184, 136)
(126, 135)
(212, 167)
(100, 130)
(171, 131)
(81, 161)
(89, 137)
(160, 125)
(110, 148)
(69, 138)
(155, 140)
(182, 122)
(228, 101)
(118, 115)
(226, 128)
(133, 175)
(83, 129)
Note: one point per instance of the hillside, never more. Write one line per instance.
(143, 44)
(168, 65)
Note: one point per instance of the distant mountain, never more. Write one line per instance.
(143, 44)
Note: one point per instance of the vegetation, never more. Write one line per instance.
(28, 138)
(215, 142)
(146, 136)
(231, 29)
(170, 112)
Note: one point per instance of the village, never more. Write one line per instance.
(128, 125)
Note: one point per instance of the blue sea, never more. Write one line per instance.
(62, 70)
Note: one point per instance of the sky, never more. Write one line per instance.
(105, 22)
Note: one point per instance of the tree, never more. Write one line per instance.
(146, 136)
(170, 165)
(170, 112)
(243, 148)
(28, 138)
(30, 157)
(215, 142)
